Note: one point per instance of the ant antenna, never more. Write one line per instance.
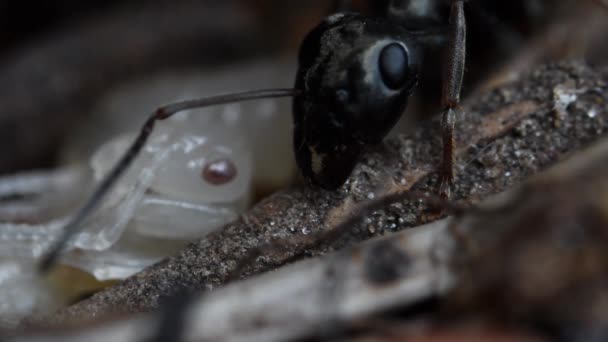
(110, 179)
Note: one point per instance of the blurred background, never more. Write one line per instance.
(58, 59)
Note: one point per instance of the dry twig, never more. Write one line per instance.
(508, 134)
(534, 257)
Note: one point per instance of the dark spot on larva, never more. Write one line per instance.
(385, 263)
(219, 172)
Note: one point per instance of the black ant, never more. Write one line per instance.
(354, 78)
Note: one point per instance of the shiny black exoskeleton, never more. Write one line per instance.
(355, 75)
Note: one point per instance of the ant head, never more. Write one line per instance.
(355, 75)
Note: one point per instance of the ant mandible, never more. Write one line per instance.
(355, 74)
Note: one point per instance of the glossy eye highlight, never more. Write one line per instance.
(394, 64)
(219, 172)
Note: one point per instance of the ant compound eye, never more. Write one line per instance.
(219, 172)
(393, 63)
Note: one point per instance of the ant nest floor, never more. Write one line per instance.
(503, 136)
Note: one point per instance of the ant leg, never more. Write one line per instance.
(452, 84)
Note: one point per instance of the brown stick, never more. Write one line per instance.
(508, 134)
(518, 257)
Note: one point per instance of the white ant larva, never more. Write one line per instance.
(194, 175)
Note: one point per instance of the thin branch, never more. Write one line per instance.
(324, 296)
(518, 120)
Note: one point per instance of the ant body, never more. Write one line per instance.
(356, 74)
(354, 78)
